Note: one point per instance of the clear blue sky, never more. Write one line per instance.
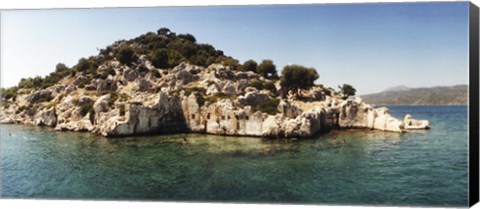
(371, 46)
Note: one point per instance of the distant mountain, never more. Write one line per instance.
(402, 95)
(397, 88)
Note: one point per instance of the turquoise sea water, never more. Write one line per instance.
(359, 167)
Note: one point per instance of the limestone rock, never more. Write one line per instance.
(252, 98)
(412, 124)
(212, 89)
(288, 110)
(130, 74)
(80, 80)
(39, 95)
(46, 118)
(101, 105)
(105, 86)
(142, 85)
(229, 89)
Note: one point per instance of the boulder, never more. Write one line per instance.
(46, 118)
(80, 80)
(70, 89)
(229, 89)
(101, 105)
(412, 124)
(288, 110)
(240, 86)
(40, 95)
(212, 89)
(271, 127)
(252, 98)
(107, 85)
(130, 74)
(184, 76)
(142, 85)
(85, 100)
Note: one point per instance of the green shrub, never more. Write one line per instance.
(82, 65)
(250, 65)
(86, 108)
(210, 99)
(60, 67)
(256, 84)
(114, 97)
(125, 55)
(199, 90)
(73, 72)
(6, 104)
(9, 93)
(269, 106)
(49, 105)
(260, 85)
(267, 69)
(188, 37)
(160, 58)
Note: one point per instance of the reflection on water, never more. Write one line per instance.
(341, 167)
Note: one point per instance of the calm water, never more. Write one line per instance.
(371, 167)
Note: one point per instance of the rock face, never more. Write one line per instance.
(412, 124)
(188, 98)
(46, 118)
(165, 116)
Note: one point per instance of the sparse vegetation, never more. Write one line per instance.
(270, 106)
(115, 96)
(260, 85)
(6, 104)
(9, 93)
(86, 108)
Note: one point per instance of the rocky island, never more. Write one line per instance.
(168, 83)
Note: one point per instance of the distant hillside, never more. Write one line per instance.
(402, 95)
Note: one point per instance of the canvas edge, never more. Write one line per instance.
(473, 105)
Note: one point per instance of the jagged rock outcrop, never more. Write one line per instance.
(412, 124)
(188, 98)
(46, 118)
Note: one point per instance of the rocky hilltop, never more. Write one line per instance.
(136, 87)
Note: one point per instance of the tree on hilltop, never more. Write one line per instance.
(296, 77)
(250, 65)
(267, 69)
(347, 90)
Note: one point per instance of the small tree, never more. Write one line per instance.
(267, 69)
(296, 77)
(188, 37)
(61, 68)
(125, 55)
(82, 65)
(160, 58)
(250, 65)
(163, 31)
(347, 90)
